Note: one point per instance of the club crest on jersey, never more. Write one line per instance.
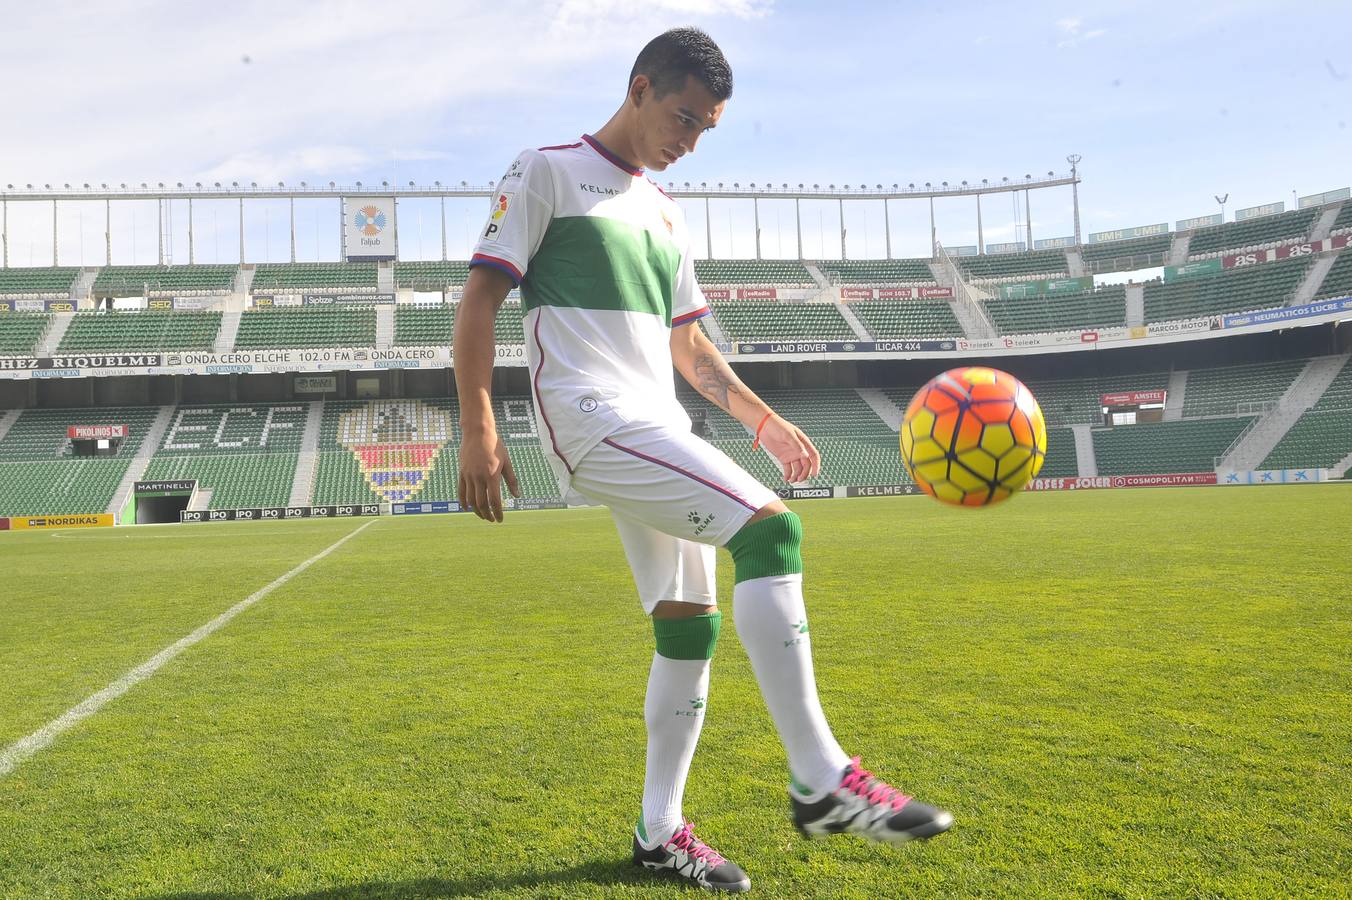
(500, 207)
(665, 221)
(396, 444)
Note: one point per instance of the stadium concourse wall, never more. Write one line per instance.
(823, 492)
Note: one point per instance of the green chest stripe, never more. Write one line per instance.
(590, 262)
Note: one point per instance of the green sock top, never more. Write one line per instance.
(770, 546)
(691, 638)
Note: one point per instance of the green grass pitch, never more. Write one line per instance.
(1118, 694)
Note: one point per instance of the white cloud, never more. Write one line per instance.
(1072, 33)
(323, 88)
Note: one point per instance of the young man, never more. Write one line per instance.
(603, 260)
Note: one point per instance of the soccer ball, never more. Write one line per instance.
(973, 436)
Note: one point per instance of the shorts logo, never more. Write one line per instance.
(701, 525)
(500, 207)
(587, 404)
(799, 628)
(396, 444)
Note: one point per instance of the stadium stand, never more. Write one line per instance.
(307, 326)
(40, 476)
(1252, 232)
(283, 276)
(1344, 220)
(431, 275)
(1124, 256)
(1338, 280)
(1004, 265)
(20, 332)
(141, 330)
(789, 273)
(423, 326)
(46, 281)
(907, 318)
(1058, 312)
(771, 320)
(507, 327)
(1079, 401)
(246, 453)
(1061, 461)
(406, 447)
(877, 271)
(137, 281)
(856, 446)
(1235, 290)
(1156, 447)
(1323, 434)
(435, 325)
(1230, 390)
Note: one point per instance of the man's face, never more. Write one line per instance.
(670, 127)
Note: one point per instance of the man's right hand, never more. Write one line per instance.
(484, 465)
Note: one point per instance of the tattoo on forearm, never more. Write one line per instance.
(715, 380)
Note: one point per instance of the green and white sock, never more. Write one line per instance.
(678, 692)
(771, 619)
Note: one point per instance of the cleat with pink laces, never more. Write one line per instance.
(690, 859)
(867, 806)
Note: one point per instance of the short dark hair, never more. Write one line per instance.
(674, 55)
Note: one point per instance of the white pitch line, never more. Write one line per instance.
(39, 740)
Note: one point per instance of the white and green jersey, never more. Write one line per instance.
(602, 257)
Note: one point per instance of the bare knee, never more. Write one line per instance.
(773, 508)
(676, 609)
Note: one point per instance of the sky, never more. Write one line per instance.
(1168, 104)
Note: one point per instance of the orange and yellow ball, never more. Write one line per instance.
(973, 436)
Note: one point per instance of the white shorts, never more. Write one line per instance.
(675, 498)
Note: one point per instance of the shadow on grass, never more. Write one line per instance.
(597, 873)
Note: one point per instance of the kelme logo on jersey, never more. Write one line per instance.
(396, 444)
(370, 220)
(500, 207)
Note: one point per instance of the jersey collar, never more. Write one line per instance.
(610, 157)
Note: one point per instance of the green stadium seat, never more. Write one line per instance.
(431, 275)
(1262, 286)
(47, 281)
(772, 320)
(1343, 222)
(141, 281)
(141, 330)
(300, 277)
(1233, 236)
(1007, 265)
(39, 474)
(1322, 436)
(907, 318)
(20, 332)
(1103, 308)
(1233, 390)
(1162, 447)
(1338, 280)
(246, 453)
(1128, 255)
(307, 326)
(876, 271)
(788, 273)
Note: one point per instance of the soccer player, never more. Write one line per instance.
(602, 257)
